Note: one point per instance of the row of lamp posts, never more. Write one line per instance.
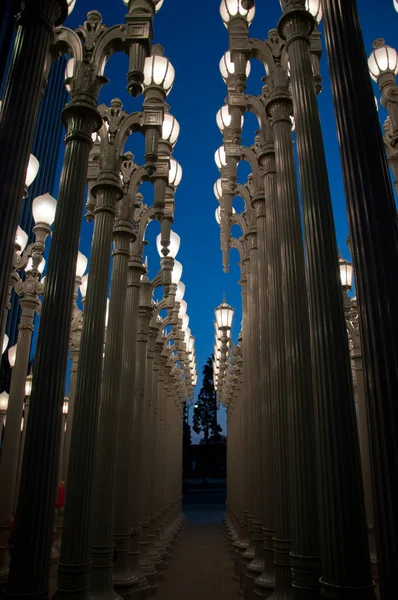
(296, 509)
(132, 365)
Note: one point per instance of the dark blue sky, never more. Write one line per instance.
(195, 39)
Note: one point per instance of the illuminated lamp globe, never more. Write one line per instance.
(180, 291)
(83, 286)
(43, 209)
(191, 343)
(32, 170)
(5, 343)
(234, 8)
(28, 385)
(21, 239)
(175, 173)
(227, 66)
(224, 119)
(224, 314)
(4, 401)
(183, 309)
(185, 322)
(159, 71)
(176, 272)
(81, 264)
(107, 313)
(218, 214)
(345, 273)
(65, 406)
(187, 335)
(71, 6)
(382, 60)
(395, 2)
(194, 382)
(12, 355)
(220, 157)
(40, 268)
(173, 247)
(218, 189)
(315, 8)
(170, 129)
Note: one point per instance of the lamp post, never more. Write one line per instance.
(31, 259)
(373, 228)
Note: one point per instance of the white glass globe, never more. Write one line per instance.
(220, 157)
(170, 129)
(173, 247)
(175, 173)
(176, 272)
(383, 59)
(315, 8)
(234, 8)
(32, 170)
(224, 119)
(12, 355)
(185, 322)
(21, 239)
(217, 189)
(158, 70)
(158, 4)
(71, 6)
(4, 401)
(5, 343)
(81, 264)
(183, 309)
(227, 66)
(40, 268)
(43, 209)
(180, 291)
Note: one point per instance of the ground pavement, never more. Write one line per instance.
(201, 566)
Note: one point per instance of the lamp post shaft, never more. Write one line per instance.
(374, 230)
(20, 106)
(74, 354)
(29, 566)
(102, 510)
(12, 434)
(343, 531)
(74, 567)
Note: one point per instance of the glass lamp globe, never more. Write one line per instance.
(234, 8)
(345, 273)
(218, 189)
(170, 129)
(220, 157)
(175, 173)
(180, 291)
(65, 406)
(227, 66)
(185, 322)
(69, 70)
(83, 286)
(315, 8)
(183, 309)
(176, 272)
(173, 247)
(32, 170)
(383, 59)
(43, 209)
(158, 70)
(224, 313)
(40, 268)
(28, 385)
(21, 239)
(71, 6)
(224, 119)
(81, 264)
(395, 2)
(107, 313)
(5, 343)
(12, 355)
(187, 335)
(4, 401)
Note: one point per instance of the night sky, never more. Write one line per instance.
(194, 39)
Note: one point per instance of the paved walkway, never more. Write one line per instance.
(201, 567)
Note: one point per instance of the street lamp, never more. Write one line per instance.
(345, 274)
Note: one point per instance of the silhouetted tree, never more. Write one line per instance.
(205, 415)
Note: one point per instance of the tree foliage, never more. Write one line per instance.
(205, 414)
